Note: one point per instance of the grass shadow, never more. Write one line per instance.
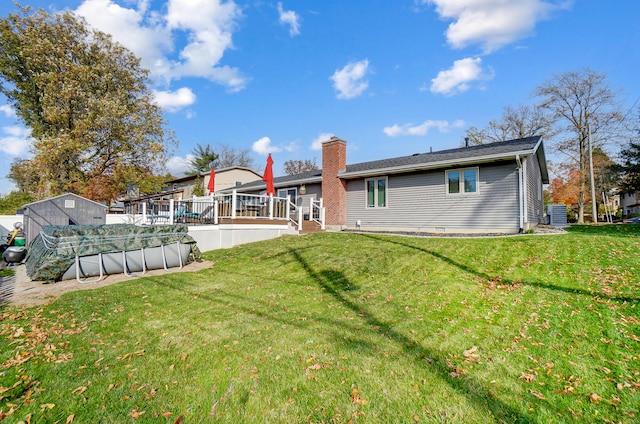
(482, 275)
(466, 386)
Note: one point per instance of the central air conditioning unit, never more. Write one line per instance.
(557, 215)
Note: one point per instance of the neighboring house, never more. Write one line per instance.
(491, 188)
(629, 203)
(225, 178)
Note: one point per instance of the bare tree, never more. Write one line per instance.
(295, 166)
(581, 103)
(230, 156)
(523, 121)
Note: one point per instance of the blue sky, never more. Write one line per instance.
(391, 78)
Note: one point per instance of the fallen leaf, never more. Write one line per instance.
(135, 414)
(537, 394)
(355, 397)
(470, 351)
(527, 377)
(46, 406)
(470, 356)
(594, 398)
(80, 389)
(70, 419)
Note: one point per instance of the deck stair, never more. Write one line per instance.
(309, 227)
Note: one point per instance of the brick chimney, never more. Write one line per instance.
(334, 189)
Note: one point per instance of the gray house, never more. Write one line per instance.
(491, 188)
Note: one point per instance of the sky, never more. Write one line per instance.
(390, 77)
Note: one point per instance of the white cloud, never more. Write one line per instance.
(16, 140)
(179, 166)
(492, 23)
(8, 111)
(421, 129)
(456, 80)
(350, 81)
(207, 25)
(149, 40)
(263, 146)
(173, 101)
(291, 18)
(291, 147)
(316, 144)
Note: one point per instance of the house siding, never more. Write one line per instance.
(419, 202)
(226, 179)
(535, 200)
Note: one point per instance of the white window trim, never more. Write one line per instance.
(375, 196)
(286, 190)
(461, 171)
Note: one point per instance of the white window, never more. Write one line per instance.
(462, 181)
(376, 192)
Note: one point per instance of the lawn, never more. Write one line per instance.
(345, 328)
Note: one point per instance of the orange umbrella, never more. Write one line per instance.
(268, 177)
(212, 184)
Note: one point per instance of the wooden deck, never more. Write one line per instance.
(252, 221)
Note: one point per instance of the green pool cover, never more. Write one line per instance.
(54, 250)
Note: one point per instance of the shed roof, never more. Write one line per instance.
(64, 195)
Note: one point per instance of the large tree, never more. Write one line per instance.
(523, 121)
(95, 125)
(581, 103)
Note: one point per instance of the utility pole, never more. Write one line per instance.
(594, 203)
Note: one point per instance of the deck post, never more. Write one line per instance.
(215, 211)
(144, 212)
(234, 199)
(171, 211)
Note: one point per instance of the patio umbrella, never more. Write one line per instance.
(268, 177)
(212, 184)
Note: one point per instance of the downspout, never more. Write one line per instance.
(520, 193)
(525, 192)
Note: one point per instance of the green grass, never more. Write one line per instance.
(6, 272)
(345, 327)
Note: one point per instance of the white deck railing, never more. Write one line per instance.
(210, 209)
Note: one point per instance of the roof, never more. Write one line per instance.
(65, 195)
(287, 180)
(484, 153)
(206, 174)
(462, 156)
